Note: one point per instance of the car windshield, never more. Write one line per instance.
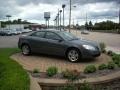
(68, 36)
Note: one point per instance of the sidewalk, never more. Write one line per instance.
(34, 84)
(114, 49)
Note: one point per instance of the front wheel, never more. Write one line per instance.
(25, 50)
(73, 55)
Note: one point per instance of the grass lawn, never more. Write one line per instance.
(12, 75)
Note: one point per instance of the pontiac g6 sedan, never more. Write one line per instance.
(60, 43)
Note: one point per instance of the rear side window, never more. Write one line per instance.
(38, 34)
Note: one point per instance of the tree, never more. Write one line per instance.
(15, 21)
(19, 21)
(90, 25)
(86, 25)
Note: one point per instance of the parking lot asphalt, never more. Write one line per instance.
(9, 41)
(111, 40)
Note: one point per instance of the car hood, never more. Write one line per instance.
(82, 41)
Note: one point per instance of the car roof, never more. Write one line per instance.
(52, 30)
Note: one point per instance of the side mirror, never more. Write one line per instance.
(60, 40)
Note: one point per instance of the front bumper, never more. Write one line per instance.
(86, 54)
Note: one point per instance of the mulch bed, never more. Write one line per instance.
(98, 73)
(112, 85)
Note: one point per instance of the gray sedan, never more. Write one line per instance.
(60, 43)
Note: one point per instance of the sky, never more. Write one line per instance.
(33, 10)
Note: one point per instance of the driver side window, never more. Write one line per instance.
(39, 34)
(53, 36)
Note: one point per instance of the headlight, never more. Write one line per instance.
(89, 47)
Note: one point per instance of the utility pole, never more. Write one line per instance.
(8, 16)
(60, 19)
(63, 6)
(86, 22)
(70, 17)
(119, 17)
(119, 14)
(56, 22)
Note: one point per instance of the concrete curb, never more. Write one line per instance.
(33, 84)
(96, 80)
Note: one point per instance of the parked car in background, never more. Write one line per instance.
(5, 33)
(84, 32)
(19, 31)
(58, 43)
(26, 30)
(14, 32)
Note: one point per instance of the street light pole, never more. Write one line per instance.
(119, 17)
(70, 17)
(119, 14)
(60, 19)
(56, 22)
(8, 16)
(63, 6)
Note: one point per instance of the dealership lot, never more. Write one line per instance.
(9, 41)
(111, 40)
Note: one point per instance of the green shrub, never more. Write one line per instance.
(116, 58)
(52, 71)
(110, 53)
(90, 69)
(113, 53)
(118, 64)
(102, 46)
(111, 65)
(68, 87)
(85, 86)
(71, 74)
(102, 66)
(36, 70)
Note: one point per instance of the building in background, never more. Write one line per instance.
(0, 24)
(25, 26)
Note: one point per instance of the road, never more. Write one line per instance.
(111, 40)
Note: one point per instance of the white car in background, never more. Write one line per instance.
(26, 30)
(19, 31)
(14, 32)
(84, 32)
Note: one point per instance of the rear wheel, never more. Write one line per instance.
(73, 55)
(25, 50)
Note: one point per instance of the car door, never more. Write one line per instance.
(37, 42)
(55, 44)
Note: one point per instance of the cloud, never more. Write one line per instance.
(94, 1)
(81, 2)
(33, 10)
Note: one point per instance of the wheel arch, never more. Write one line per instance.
(69, 48)
(24, 44)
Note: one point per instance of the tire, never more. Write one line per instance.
(73, 55)
(25, 49)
